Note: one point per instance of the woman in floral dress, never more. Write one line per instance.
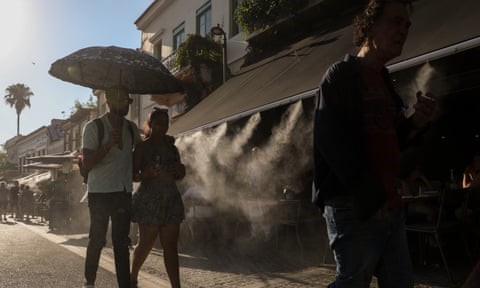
(157, 204)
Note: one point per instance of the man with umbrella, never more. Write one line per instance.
(109, 184)
(109, 139)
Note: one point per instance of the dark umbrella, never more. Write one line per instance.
(116, 68)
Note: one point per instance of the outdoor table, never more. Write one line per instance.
(427, 195)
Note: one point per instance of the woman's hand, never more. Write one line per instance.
(148, 172)
(163, 175)
(178, 170)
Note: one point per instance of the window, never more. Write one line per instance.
(178, 35)
(204, 19)
(235, 28)
(178, 108)
(157, 50)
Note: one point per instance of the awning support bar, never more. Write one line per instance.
(434, 55)
(288, 100)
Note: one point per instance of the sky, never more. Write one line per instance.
(33, 34)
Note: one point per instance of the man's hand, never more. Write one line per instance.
(424, 109)
(114, 139)
(382, 213)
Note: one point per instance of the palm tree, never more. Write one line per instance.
(18, 95)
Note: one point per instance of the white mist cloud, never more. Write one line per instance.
(230, 173)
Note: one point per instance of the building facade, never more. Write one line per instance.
(166, 24)
(73, 127)
(33, 144)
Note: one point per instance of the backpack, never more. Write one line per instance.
(101, 130)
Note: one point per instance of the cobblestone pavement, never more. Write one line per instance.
(260, 268)
(249, 265)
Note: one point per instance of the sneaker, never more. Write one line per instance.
(88, 285)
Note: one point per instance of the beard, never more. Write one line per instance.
(122, 112)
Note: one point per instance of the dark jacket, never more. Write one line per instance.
(341, 162)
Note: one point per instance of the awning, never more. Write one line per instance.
(54, 158)
(296, 72)
(32, 179)
(45, 166)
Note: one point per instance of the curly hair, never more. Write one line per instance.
(155, 113)
(369, 17)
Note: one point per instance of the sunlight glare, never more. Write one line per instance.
(14, 17)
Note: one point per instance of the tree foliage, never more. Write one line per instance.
(255, 15)
(197, 50)
(89, 104)
(18, 96)
(5, 166)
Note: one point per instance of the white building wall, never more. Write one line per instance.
(11, 148)
(159, 22)
(185, 11)
(34, 144)
(56, 147)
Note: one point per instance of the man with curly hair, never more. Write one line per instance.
(358, 133)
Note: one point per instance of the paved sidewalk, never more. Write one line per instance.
(248, 265)
(263, 267)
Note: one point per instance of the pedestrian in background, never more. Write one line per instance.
(359, 127)
(27, 202)
(157, 204)
(109, 185)
(3, 201)
(13, 200)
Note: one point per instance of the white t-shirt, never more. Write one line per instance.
(114, 172)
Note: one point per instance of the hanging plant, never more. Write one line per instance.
(197, 50)
(204, 56)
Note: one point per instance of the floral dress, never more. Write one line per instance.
(158, 202)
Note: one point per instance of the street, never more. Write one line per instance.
(30, 260)
(34, 257)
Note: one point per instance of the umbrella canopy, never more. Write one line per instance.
(116, 68)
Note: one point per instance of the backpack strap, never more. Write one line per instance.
(130, 128)
(101, 131)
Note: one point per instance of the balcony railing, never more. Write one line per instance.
(170, 62)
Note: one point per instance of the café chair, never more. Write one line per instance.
(287, 214)
(443, 224)
(199, 216)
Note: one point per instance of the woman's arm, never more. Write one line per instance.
(142, 173)
(179, 168)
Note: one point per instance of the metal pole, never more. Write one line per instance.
(225, 57)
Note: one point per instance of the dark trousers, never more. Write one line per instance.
(117, 207)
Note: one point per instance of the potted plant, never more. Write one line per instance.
(204, 57)
(201, 53)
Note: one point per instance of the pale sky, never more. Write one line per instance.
(34, 33)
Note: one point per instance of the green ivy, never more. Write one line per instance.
(197, 50)
(255, 15)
